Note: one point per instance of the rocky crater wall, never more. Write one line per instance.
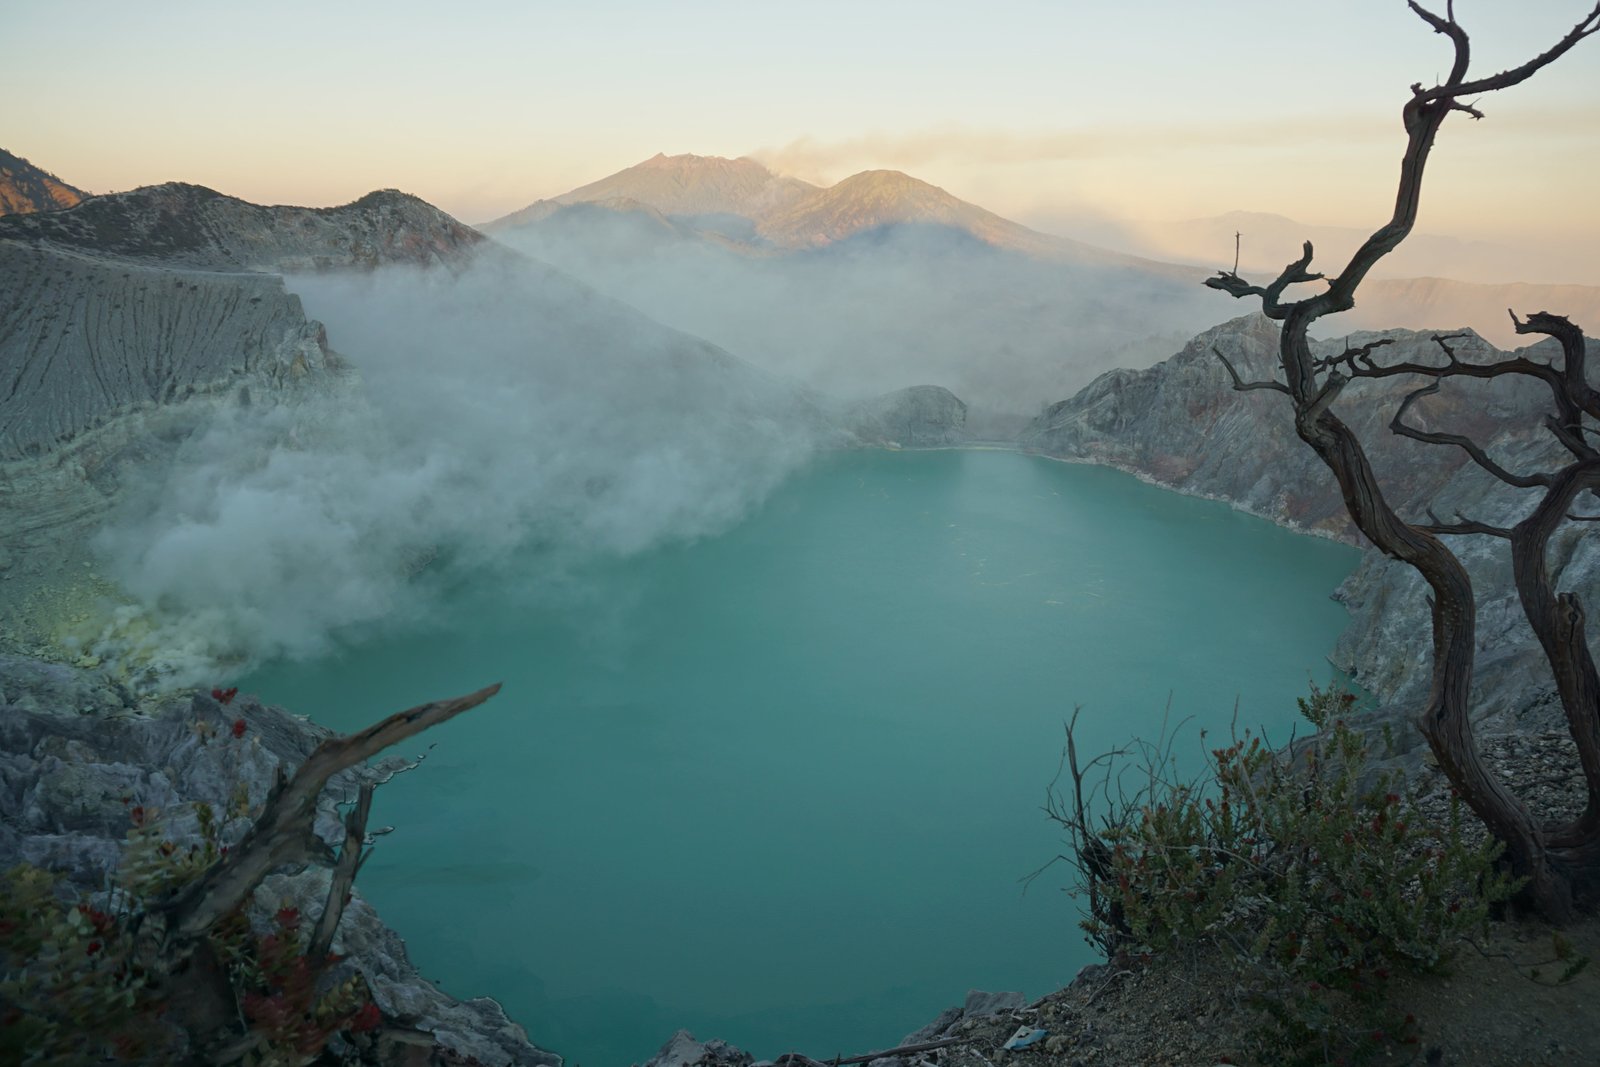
(83, 340)
(1181, 424)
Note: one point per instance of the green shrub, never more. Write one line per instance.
(1314, 889)
(83, 978)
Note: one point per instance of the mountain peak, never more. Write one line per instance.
(875, 198)
(688, 160)
(686, 185)
(25, 188)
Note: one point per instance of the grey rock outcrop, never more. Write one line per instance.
(923, 416)
(978, 1005)
(682, 1050)
(78, 751)
(1182, 425)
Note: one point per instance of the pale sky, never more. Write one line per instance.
(1041, 111)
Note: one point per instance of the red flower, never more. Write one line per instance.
(101, 921)
(367, 1018)
(289, 918)
(238, 727)
(137, 815)
(93, 947)
(224, 696)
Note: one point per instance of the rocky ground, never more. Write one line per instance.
(79, 751)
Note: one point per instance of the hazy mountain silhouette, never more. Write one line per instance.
(685, 185)
(704, 209)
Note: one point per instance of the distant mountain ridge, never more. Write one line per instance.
(657, 202)
(1268, 241)
(25, 188)
(787, 214)
(680, 185)
(875, 199)
(192, 226)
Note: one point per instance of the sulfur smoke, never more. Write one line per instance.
(504, 419)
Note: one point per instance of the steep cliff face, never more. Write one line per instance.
(1181, 424)
(149, 297)
(83, 339)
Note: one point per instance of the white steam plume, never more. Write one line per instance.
(502, 409)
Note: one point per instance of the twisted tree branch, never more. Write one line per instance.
(1462, 525)
(351, 857)
(1466, 444)
(283, 833)
(1271, 305)
(1239, 383)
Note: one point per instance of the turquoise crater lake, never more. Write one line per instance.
(780, 785)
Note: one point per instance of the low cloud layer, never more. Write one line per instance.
(888, 308)
(502, 411)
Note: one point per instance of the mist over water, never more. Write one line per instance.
(779, 784)
(887, 308)
(499, 410)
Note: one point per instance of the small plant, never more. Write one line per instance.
(166, 966)
(73, 988)
(1316, 881)
(82, 984)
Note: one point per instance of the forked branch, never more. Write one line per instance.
(1574, 360)
(1351, 354)
(1272, 294)
(1454, 86)
(1239, 383)
(1466, 444)
(1462, 525)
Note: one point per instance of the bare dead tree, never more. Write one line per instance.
(282, 835)
(1560, 858)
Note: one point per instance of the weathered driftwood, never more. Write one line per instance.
(283, 833)
(352, 855)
